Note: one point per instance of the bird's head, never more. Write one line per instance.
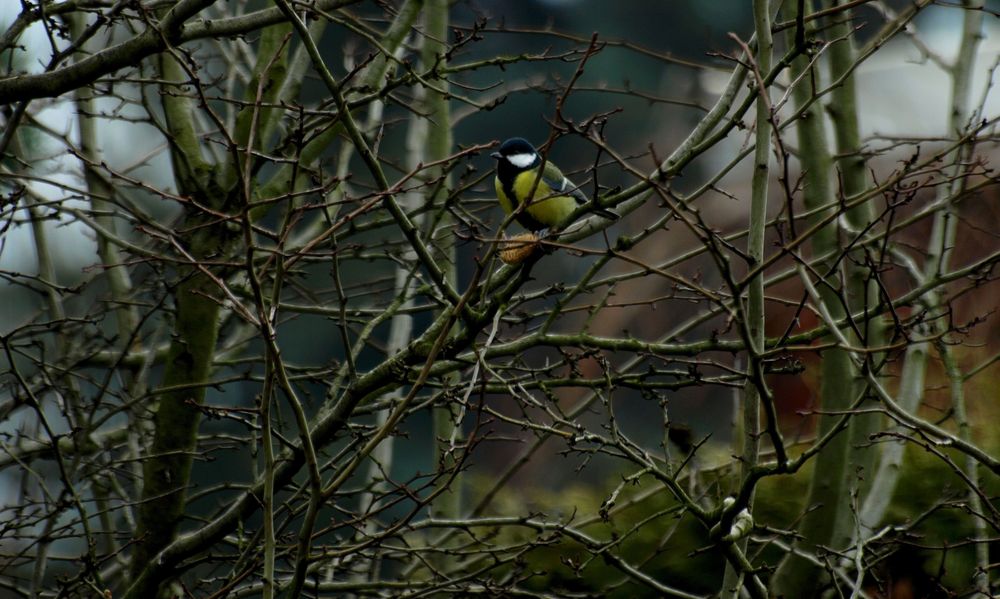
(516, 154)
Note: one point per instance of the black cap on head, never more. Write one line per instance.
(516, 145)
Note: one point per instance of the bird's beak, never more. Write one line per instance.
(496, 155)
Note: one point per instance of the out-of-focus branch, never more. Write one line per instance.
(822, 524)
(747, 436)
(167, 468)
(371, 79)
(388, 200)
(860, 266)
(84, 72)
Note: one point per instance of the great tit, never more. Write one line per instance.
(555, 197)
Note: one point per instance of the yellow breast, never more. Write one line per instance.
(545, 208)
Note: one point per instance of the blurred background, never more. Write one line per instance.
(653, 91)
(662, 68)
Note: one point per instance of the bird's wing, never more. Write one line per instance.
(558, 182)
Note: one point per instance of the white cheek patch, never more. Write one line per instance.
(522, 160)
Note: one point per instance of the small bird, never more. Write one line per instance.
(555, 197)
